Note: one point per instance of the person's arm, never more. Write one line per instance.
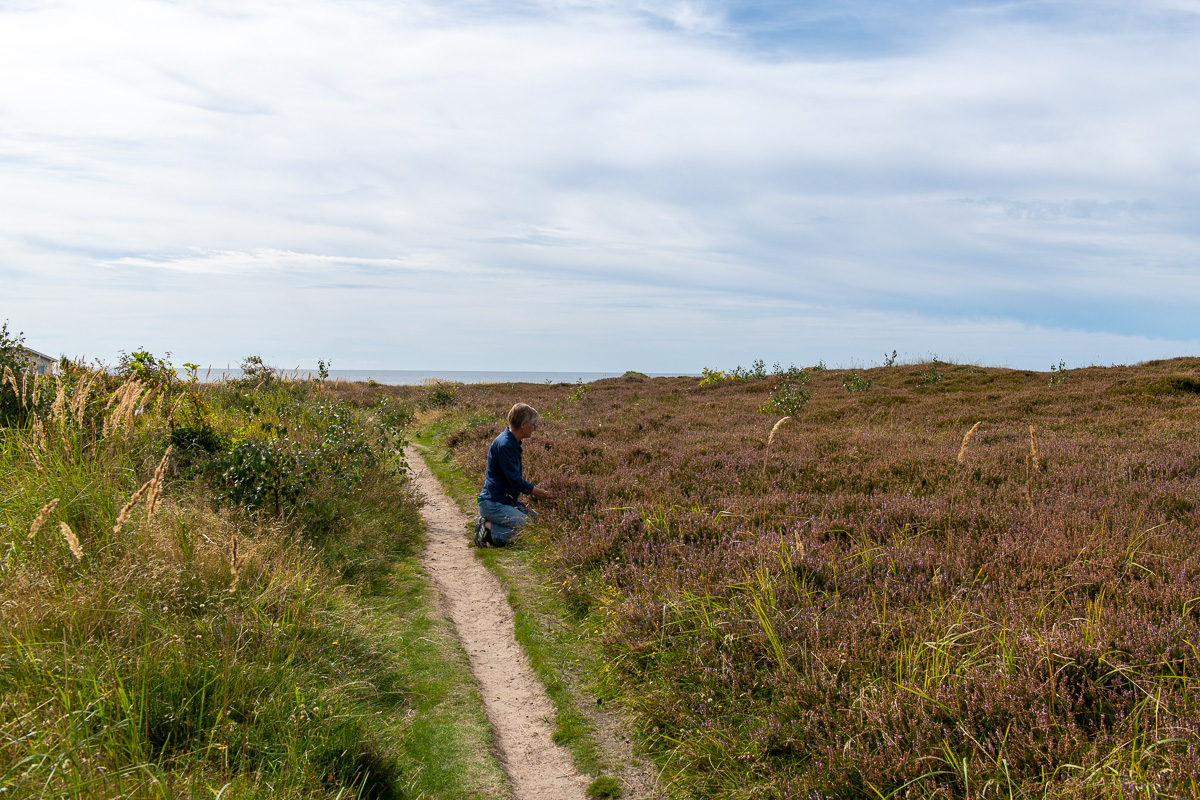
(506, 461)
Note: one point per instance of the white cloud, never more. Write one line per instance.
(309, 266)
(438, 158)
(691, 17)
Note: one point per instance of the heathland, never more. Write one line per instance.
(930, 580)
(214, 591)
(933, 580)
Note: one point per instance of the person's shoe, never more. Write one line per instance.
(483, 537)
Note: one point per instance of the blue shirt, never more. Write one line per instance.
(503, 481)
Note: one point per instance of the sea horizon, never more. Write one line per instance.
(412, 377)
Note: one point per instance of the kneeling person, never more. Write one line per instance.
(501, 513)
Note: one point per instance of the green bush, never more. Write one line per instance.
(142, 365)
(255, 371)
(790, 394)
(857, 383)
(930, 376)
(711, 376)
(442, 394)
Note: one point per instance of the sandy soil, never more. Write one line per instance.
(518, 708)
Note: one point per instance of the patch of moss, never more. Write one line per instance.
(604, 787)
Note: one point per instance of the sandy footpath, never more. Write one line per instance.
(518, 708)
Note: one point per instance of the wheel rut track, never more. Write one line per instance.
(517, 706)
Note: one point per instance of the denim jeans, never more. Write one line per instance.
(507, 521)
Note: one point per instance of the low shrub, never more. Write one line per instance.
(857, 383)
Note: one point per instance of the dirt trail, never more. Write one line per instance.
(518, 708)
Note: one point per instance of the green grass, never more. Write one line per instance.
(558, 652)
(268, 632)
(446, 741)
(430, 435)
(604, 787)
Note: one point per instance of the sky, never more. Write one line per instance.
(601, 184)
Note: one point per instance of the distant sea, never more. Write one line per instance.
(409, 377)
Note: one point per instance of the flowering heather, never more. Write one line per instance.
(872, 615)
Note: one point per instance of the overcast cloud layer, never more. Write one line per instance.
(601, 185)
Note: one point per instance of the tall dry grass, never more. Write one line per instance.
(770, 439)
(199, 649)
(962, 450)
(42, 515)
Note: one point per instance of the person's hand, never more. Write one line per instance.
(542, 494)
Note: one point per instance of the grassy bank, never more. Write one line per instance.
(214, 591)
(886, 600)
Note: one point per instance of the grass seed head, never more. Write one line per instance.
(9, 379)
(117, 399)
(39, 433)
(1033, 453)
(770, 438)
(33, 454)
(782, 421)
(156, 485)
(41, 517)
(127, 509)
(57, 411)
(126, 398)
(962, 451)
(79, 401)
(170, 417)
(72, 540)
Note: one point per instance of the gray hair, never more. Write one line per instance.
(521, 413)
